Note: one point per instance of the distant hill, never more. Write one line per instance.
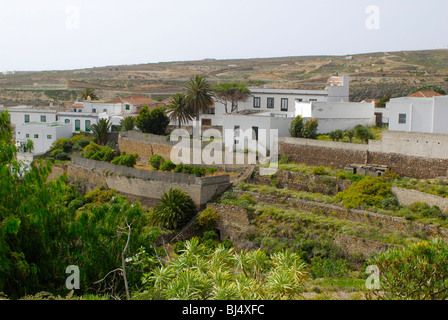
(372, 75)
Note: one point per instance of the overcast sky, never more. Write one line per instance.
(72, 34)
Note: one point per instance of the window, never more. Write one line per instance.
(255, 133)
(79, 110)
(284, 106)
(36, 136)
(49, 137)
(27, 118)
(211, 111)
(299, 100)
(313, 99)
(87, 125)
(43, 118)
(93, 110)
(402, 118)
(77, 125)
(67, 120)
(257, 102)
(104, 110)
(27, 135)
(128, 107)
(271, 103)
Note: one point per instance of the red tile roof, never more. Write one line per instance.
(137, 100)
(425, 94)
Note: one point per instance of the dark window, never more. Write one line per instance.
(67, 120)
(257, 102)
(402, 118)
(77, 125)
(36, 136)
(284, 106)
(271, 103)
(211, 111)
(87, 125)
(255, 133)
(313, 99)
(27, 135)
(49, 136)
(27, 118)
(43, 118)
(93, 110)
(128, 107)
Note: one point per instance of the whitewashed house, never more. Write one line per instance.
(43, 134)
(413, 114)
(337, 115)
(279, 101)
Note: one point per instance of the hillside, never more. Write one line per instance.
(372, 75)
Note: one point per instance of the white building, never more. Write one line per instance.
(337, 115)
(412, 114)
(279, 100)
(42, 134)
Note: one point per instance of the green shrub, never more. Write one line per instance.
(353, 177)
(156, 161)
(390, 203)
(320, 171)
(365, 193)
(197, 171)
(207, 220)
(212, 170)
(417, 272)
(128, 160)
(329, 268)
(167, 166)
(424, 210)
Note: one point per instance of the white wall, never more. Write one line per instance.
(46, 135)
(337, 115)
(82, 117)
(17, 115)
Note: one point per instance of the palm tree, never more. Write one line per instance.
(100, 130)
(127, 123)
(178, 109)
(89, 93)
(175, 209)
(199, 95)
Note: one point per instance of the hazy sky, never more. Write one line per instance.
(70, 34)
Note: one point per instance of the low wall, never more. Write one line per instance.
(392, 223)
(409, 196)
(145, 183)
(339, 154)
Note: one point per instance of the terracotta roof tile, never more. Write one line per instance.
(425, 94)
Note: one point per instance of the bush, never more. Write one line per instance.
(417, 272)
(167, 166)
(366, 192)
(212, 170)
(329, 268)
(128, 160)
(207, 219)
(197, 171)
(390, 203)
(336, 135)
(296, 128)
(353, 177)
(156, 161)
(320, 171)
(427, 211)
(310, 129)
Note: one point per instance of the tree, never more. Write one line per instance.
(178, 109)
(198, 95)
(89, 93)
(154, 122)
(417, 272)
(336, 135)
(127, 123)
(383, 101)
(364, 133)
(175, 209)
(309, 130)
(101, 129)
(296, 128)
(231, 93)
(349, 134)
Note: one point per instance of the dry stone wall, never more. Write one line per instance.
(409, 196)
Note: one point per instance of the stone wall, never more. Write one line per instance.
(409, 196)
(350, 244)
(301, 182)
(339, 154)
(145, 183)
(392, 223)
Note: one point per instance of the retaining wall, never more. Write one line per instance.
(409, 196)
